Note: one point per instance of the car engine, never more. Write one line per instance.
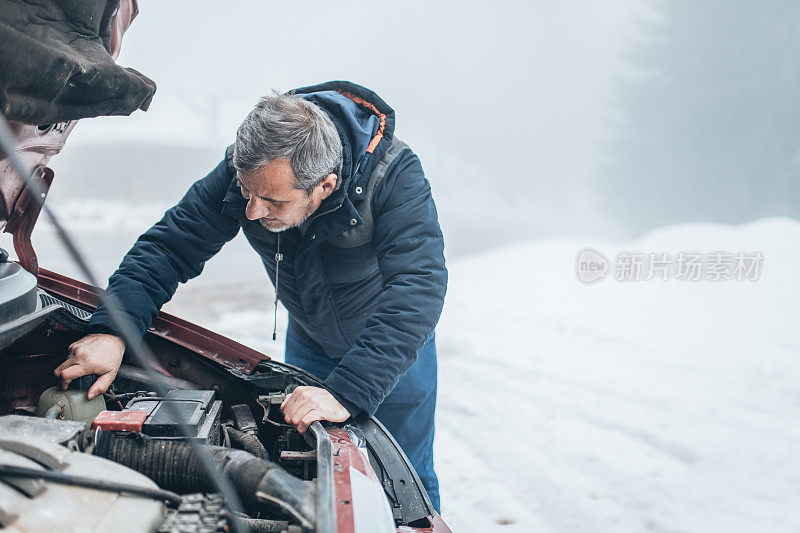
(122, 458)
(69, 463)
(132, 459)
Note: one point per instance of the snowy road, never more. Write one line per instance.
(660, 406)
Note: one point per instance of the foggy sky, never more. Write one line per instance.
(503, 102)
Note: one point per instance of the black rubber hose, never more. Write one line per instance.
(247, 442)
(175, 465)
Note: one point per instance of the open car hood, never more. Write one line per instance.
(57, 61)
(59, 67)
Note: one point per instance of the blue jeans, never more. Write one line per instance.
(407, 412)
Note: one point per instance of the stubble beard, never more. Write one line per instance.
(308, 213)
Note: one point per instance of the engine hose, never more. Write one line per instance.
(175, 465)
(247, 442)
(55, 412)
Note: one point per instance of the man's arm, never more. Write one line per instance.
(410, 251)
(174, 250)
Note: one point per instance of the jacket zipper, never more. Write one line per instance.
(279, 258)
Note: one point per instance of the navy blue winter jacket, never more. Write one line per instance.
(371, 306)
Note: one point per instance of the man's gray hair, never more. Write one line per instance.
(285, 127)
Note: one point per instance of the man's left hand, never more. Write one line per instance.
(309, 404)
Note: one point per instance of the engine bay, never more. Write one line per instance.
(271, 466)
(135, 457)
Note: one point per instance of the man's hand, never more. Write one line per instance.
(94, 354)
(308, 404)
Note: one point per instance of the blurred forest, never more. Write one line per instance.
(706, 123)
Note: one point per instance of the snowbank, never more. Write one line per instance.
(622, 406)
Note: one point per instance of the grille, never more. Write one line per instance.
(48, 299)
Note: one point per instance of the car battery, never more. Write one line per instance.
(197, 410)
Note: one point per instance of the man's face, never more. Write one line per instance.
(273, 200)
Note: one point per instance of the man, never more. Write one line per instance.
(342, 216)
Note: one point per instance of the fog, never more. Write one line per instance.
(505, 103)
(532, 120)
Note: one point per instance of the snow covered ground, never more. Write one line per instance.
(664, 406)
(622, 406)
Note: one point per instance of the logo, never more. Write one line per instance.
(591, 266)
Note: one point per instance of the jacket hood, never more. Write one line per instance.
(366, 127)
